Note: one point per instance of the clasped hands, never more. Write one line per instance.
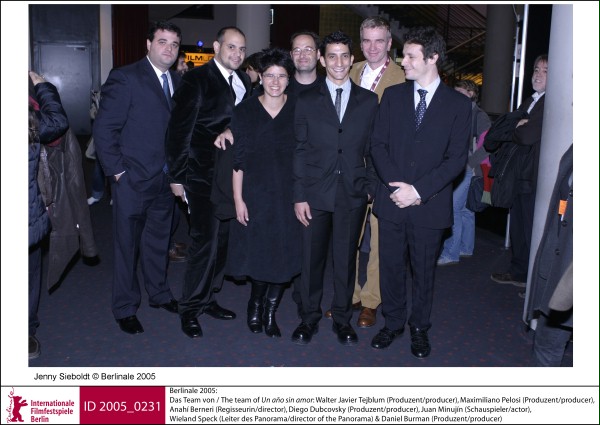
(405, 195)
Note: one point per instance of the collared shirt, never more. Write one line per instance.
(159, 74)
(238, 86)
(536, 96)
(369, 75)
(431, 88)
(345, 94)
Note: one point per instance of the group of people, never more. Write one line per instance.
(282, 176)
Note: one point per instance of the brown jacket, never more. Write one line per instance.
(394, 74)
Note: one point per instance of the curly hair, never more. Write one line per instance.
(275, 56)
(337, 37)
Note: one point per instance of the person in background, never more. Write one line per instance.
(462, 240)
(181, 66)
(551, 289)
(190, 65)
(98, 177)
(419, 145)
(47, 122)
(250, 67)
(201, 175)
(376, 73)
(306, 54)
(333, 182)
(529, 134)
(264, 243)
(129, 133)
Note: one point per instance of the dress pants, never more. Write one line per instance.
(399, 242)
(206, 256)
(369, 295)
(141, 232)
(521, 227)
(35, 285)
(343, 227)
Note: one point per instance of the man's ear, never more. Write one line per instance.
(434, 58)
(216, 47)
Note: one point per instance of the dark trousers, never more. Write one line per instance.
(141, 232)
(400, 243)
(521, 227)
(35, 286)
(342, 226)
(207, 256)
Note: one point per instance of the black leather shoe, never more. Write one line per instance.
(419, 343)
(345, 334)
(171, 306)
(304, 333)
(130, 325)
(191, 327)
(384, 337)
(218, 312)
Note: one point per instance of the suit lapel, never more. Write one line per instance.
(150, 78)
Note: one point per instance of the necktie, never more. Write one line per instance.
(233, 96)
(338, 103)
(166, 89)
(421, 107)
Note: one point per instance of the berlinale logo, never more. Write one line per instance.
(14, 408)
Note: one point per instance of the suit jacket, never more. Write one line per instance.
(554, 256)
(203, 110)
(131, 124)
(530, 134)
(327, 148)
(429, 159)
(393, 74)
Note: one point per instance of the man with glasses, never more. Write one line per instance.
(305, 54)
(332, 185)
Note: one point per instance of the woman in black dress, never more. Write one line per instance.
(265, 242)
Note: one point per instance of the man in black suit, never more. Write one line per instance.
(332, 185)
(419, 146)
(201, 174)
(129, 134)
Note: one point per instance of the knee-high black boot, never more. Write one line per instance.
(256, 306)
(273, 298)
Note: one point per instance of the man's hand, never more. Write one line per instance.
(221, 140)
(523, 121)
(241, 212)
(36, 78)
(405, 195)
(179, 191)
(302, 211)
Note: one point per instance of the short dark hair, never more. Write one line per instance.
(222, 31)
(431, 41)
(252, 61)
(337, 37)
(165, 26)
(276, 57)
(314, 36)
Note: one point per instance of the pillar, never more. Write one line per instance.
(255, 21)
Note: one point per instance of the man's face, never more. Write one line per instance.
(375, 45)
(337, 62)
(414, 63)
(232, 51)
(538, 80)
(304, 59)
(164, 49)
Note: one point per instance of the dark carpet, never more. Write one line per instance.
(475, 322)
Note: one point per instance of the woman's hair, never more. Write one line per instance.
(251, 61)
(469, 86)
(276, 57)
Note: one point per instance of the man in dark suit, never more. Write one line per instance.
(332, 185)
(528, 134)
(419, 146)
(201, 174)
(129, 134)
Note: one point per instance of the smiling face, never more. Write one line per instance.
(305, 54)
(540, 72)
(416, 66)
(337, 62)
(163, 49)
(231, 52)
(275, 79)
(375, 44)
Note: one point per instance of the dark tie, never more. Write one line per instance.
(421, 107)
(338, 103)
(231, 88)
(166, 89)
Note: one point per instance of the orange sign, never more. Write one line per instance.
(199, 59)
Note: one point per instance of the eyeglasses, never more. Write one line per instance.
(274, 77)
(307, 50)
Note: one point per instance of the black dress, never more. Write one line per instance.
(268, 249)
